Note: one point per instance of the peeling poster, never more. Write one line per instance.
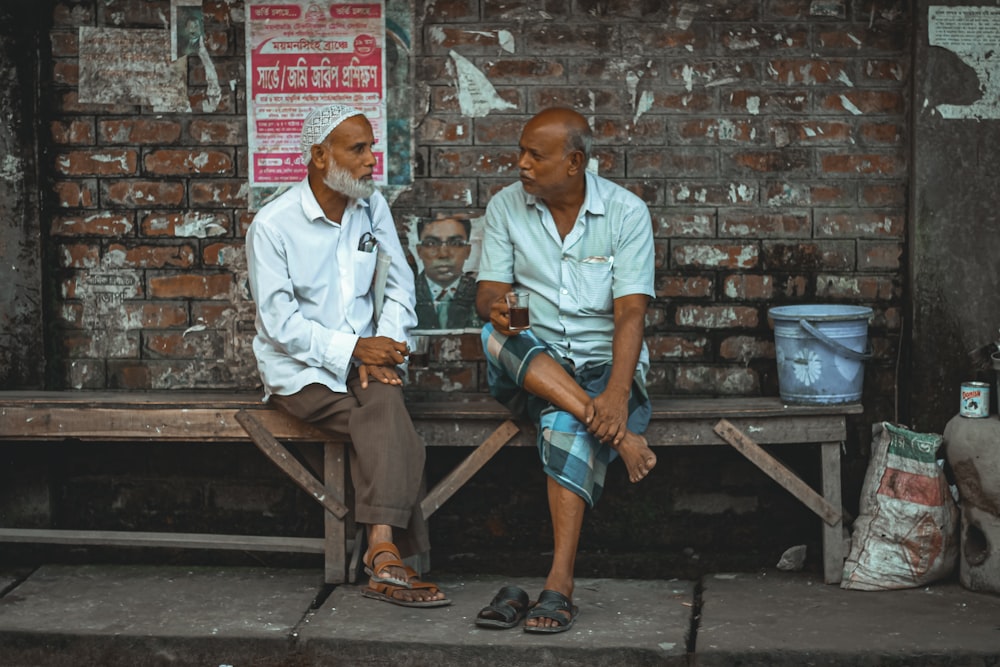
(973, 35)
(131, 67)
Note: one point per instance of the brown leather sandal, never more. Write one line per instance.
(395, 561)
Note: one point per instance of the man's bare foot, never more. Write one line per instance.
(638, 457)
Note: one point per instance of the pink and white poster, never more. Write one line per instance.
(302, 54)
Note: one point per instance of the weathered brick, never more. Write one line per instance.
(677, 162)
(224, 256)
(664, 39)
(743, 349)
(591, 100)
(106, 162)
(681, 287)
(721, 380)
(684, 223)
(863, 224)
(748, 287)
(483, 40)
(217, 132)
(445, 378)
(881, 133)
(744, 224)
(440, 131)
(75, 132)
(142, 131)
(677, 347)
(717, 317)
(196, 224)
(719, 130)
(155, 315)
(66, 72)
(788, 193)
(76, 194)
(473, 161)
(174, 162)
(142, 193)
(857, 288)
(691, 254)
(873, 164)
(106, 344)
(808, 256)
(129, 14)
(578, 38)
(879, 255)
(756, 102)
(97, 224)
(855, 39)
(682, 102)
(805, 71)
(78, 256)
(810, 132)
(765, 39)
(190, 286)
(220, 192)
(172, 374)
(883, 194)
(714, 73)
(867, 102)
(204, 344)
(779, 161)
(149, 256)
(718, 194)
(461, 10)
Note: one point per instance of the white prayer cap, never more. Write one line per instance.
(321, 122)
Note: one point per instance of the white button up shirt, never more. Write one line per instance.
(312, 286)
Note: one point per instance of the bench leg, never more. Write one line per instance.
(833, 533)
(334, 529)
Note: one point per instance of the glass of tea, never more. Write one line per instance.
(517, 307)
(419, 351)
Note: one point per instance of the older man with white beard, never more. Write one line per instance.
(322, 356)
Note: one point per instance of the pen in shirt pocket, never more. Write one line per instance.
(368, 243)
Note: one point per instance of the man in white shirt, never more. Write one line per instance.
(312, 254)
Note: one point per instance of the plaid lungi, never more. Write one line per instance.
(570, 454)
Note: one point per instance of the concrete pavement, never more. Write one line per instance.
(82, 615)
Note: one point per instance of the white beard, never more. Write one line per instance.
(340, 180)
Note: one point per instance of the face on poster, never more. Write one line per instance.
(447, 248)
(302, 54)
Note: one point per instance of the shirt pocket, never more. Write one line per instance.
(364, 271)
(593, 281)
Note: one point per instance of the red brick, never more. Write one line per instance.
(870, 163)
(218, 11)
(200, 101)
(221, 132)
(748, 287)
(715, 255)
(98, 162)
(883, 194)
(76, 194)
(881, 133)
(439, 131)
(220, 192)
(785, 193)
(717, 317)
(760, 40)
(591, 100)
(98, 224)
(857, 288)
(155, 315)
(205, 344)
(798, 71)
(197, 224)
(867, 102)
(220, 314)
(675, 287)
(677, 347)
(682, 103)
(149, 256)
(713, 72)
(141, 131)
(808, 256)
(78, 256)
(784, 160)
(684, 223)
(224, 255)
(136, 193)
(743, 349)
(742, 224)
(879, 255)
(724, 380)
(176, 374)
(719, 130)
(810, 132)
(461, 10)
(131, 14)
(473, 161)
(714, 194)
(664, 39)
(64, 43)
(190, 285)
(76, 132)
(855, 40)
(677, 162)
(757, 102)
(171, 162)
(555, 39)
(886, 70)
(111, 344)
(66, 72)
(69, 102)
(480, 41)
(862, 224)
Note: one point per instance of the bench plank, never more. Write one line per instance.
(176, 540)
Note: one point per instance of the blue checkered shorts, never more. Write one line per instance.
(570, 454)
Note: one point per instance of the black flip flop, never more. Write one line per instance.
(506, 610)
(552, 604)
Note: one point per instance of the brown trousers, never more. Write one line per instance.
(387, 455)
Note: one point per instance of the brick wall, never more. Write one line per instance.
(768, 138)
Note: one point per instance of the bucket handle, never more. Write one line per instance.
(843, 350)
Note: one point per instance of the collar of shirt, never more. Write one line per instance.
(313, 211)
(437, 290)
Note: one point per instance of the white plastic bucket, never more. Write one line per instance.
(821, 350)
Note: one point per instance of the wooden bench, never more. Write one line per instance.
(195, 416)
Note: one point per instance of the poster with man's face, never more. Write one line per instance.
(447, 249)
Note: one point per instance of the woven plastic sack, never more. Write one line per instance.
(906, 534)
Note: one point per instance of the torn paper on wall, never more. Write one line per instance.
(476, 95)
(120, 66)
(972, 34)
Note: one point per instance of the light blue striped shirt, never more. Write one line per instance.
(572, 282)
(313, 288)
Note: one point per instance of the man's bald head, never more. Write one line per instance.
(578, 136)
